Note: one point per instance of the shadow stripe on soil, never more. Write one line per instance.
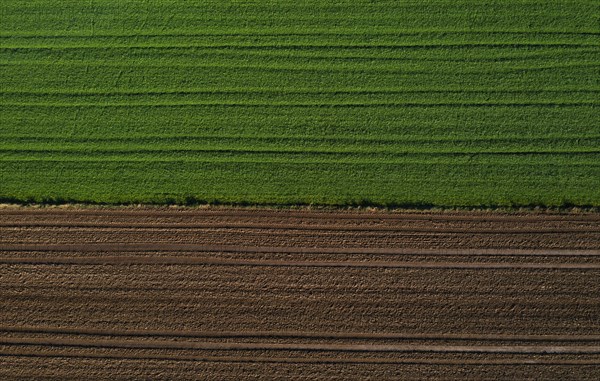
(398, 348)
(298, 334)
(182, 247)
(298, 360)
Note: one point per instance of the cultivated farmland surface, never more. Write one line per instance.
(229, 294)
(445, 102)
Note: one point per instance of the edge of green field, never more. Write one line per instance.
(191, 203)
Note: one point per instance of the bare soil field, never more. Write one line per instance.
(245, 294)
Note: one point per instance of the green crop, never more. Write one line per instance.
(421, 103)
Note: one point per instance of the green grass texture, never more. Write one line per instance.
(331, 102)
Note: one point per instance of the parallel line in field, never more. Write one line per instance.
(261, 161)
(89, 151)
(271, 226)
(287, 55)
(185, 261)
(175, 247)
(306, 46)
(297, 360)
(109, 150)
(400, 348)
(325, 32)
(305, 105)
(386, 54)
(297, 334)
(292, 91)
(358, 69)
(280, 138)
(483, 301)
(291, 214)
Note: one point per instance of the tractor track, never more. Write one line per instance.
(187, 261)
(292, 227)
(256, 213)
(179, 247)
(296, 360)
(295, 334)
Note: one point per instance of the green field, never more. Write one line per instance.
(394, 103)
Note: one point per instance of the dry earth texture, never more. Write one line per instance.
(244, 294)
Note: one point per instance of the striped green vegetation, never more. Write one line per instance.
(426, 103)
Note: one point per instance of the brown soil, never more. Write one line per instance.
(230, 294)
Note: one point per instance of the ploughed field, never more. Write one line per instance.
(236, 294)
(449, 103)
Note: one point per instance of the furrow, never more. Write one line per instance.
(172, 260)
(298, 334)
(159, 344)
(292, 227)
(297, 360)
(175, 247)
(292, 214)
